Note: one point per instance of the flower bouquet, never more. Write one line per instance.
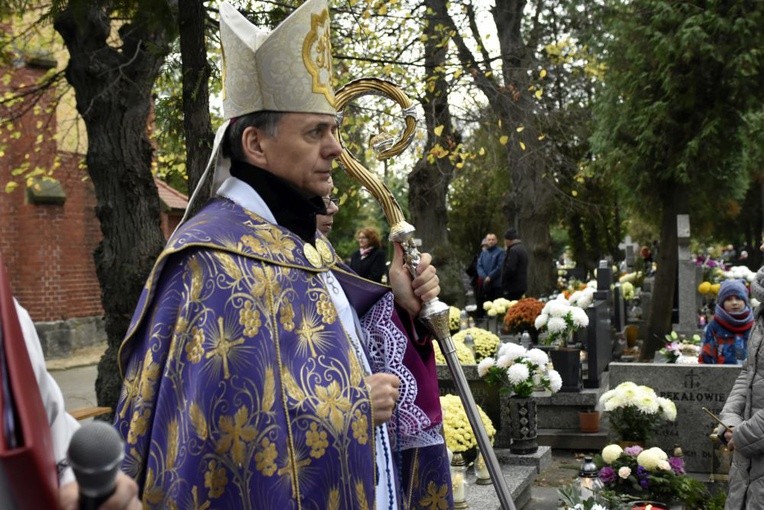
(519, 371)
(634, 474)
(680, 349)
(497, 307)
(456, 425)
(485, 343)
(635, 412)
(560, 319)
(521, 316)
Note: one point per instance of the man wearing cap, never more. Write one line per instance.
(258, 372)
(514, 271)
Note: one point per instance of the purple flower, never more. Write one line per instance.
(633, 451)
(607, 475)
(677, 465)
(642, 474)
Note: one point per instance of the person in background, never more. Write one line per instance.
(489, 270)
(324, 222)
(472, 273)
(726, 337)
(62, 428)
(249, 375)
(370, 260)
(743, 414)
(514, 270)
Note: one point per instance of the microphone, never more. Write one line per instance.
(95, 453)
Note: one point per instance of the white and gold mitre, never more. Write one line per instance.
(286, 70)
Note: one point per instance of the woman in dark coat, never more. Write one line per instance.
(370, 261)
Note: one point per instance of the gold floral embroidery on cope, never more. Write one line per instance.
(215, 479)
(317, 440)
(326, 309)
(332, 404)
(317, 55)
(249, 317)
(236, 432)
(195, 348)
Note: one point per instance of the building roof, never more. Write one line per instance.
(171, 198)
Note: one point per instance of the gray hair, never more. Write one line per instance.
(267, 121)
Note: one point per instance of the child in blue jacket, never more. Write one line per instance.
(726, 336)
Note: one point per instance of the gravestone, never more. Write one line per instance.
(629, 248)
(687, 278)
(598, 343)
(690, 387)
(619, 308)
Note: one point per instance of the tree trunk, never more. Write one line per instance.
(662, 303)
(429, 180)
(196, 104)
(113, 92)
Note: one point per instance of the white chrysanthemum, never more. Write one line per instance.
(541, 320)
(556, 325)
(614, 403)
(607, 396)
(556, 307)
(512, 350)
(624, 472)
(574, 297)
(491, 312)
(555, 381)
(537, 356)
(648, 459)
(518, 373)
(659, 453)
(487, 305)
(505, 361)
(663, 465)
(586, 298)
(647, 404)
(580, 319)
(484, 365)
(668, 408)
(611, 452)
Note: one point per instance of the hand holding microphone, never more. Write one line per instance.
(95, 454)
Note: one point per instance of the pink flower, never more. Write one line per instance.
(624, 472)
(633, 451)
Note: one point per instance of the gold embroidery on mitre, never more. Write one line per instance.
(317, 55)
(312, 255)
(324, 250)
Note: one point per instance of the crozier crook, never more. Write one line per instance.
(434, 313)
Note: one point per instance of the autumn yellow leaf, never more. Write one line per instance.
(458, 73)
(438, 130)
(522, 145)
(520, 129)
(539, 93)
(503, 140)
(12, 185)
(482, 151)
(542, 74)
(574, 193)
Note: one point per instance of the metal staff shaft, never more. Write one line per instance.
(434, 313)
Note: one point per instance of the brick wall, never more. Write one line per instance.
(48, 248)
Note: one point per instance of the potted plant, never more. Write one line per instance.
(519, 372)
(559, 319)
(633, 475)
(634, 412)
(521, 316)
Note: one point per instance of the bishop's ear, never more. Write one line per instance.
(251, 144)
